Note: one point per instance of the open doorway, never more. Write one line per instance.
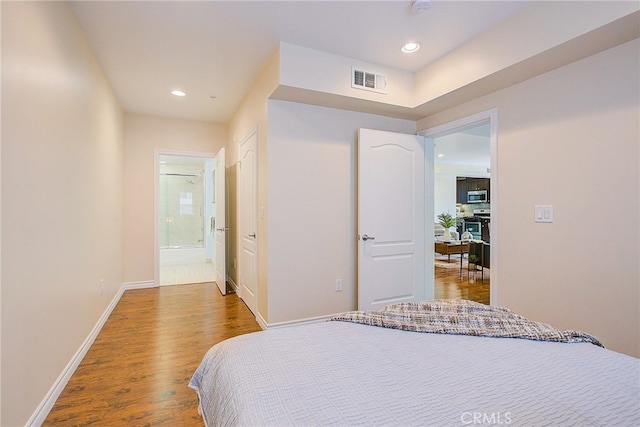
(464, 188)
(185, 210)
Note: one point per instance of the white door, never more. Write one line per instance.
(221, 222)
(248, 224)
(391, 219)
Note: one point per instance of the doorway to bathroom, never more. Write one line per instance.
(185, 214)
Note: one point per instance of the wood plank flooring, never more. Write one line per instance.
(136, 372)
(449, 284)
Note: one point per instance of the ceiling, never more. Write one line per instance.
(213, 50)
(465, 147)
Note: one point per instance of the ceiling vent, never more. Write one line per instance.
(368, 81)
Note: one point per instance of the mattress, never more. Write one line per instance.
(348, 374)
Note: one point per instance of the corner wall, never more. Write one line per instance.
(143, 135)
(251, 115)
(569, 138)
(312, 179)
(61, 199)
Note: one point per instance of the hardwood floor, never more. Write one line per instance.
(136, 372)
(449, 285)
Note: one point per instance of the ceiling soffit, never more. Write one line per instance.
(590, 43)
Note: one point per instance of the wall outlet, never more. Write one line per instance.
(338, 285)
(101, 286)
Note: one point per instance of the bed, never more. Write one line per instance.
(440, 363)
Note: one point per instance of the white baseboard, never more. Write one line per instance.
(232, 283)
(49, 400)
(261, 322)
(295, 322)
(139, 285)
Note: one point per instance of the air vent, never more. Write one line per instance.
(368, 81)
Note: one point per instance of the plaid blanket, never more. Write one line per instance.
(462, 317)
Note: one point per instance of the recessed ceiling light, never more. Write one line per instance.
(177, 93)
(419, 6)
(440, 155)
(410, 47)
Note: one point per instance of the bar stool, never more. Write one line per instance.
(464, 239)
(476, 250)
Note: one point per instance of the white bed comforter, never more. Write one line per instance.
(348, 374)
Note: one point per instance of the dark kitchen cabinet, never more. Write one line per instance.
(461, 190)
(477, 184)
(485, 224)
(466, 184)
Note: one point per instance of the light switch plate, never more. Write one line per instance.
(543, 213)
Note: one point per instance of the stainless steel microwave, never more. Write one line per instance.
(477, 196)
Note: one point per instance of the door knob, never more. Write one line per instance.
(366, 237)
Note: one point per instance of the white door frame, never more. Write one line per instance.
(492, 116)
(219, 227)
(156, 200)
(242, 226)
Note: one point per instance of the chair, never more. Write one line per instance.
(465, 238)
(479, 257)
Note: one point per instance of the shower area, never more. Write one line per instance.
(186, 209)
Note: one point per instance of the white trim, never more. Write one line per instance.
(492, 116)
(156, 210)
(43, 409)
(139, 285)
(232, 283)
(261, 322)
(464, 122)
(493, 230)
(298, 322)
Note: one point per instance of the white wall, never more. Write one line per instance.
(530, 38)
(463, 170)
(143, 135)
(312, 158)
(543, 36)
(305, 68)
(252, 116)
(61, 199)
(569, 138)
(445, 192)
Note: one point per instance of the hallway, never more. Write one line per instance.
(137, 370)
